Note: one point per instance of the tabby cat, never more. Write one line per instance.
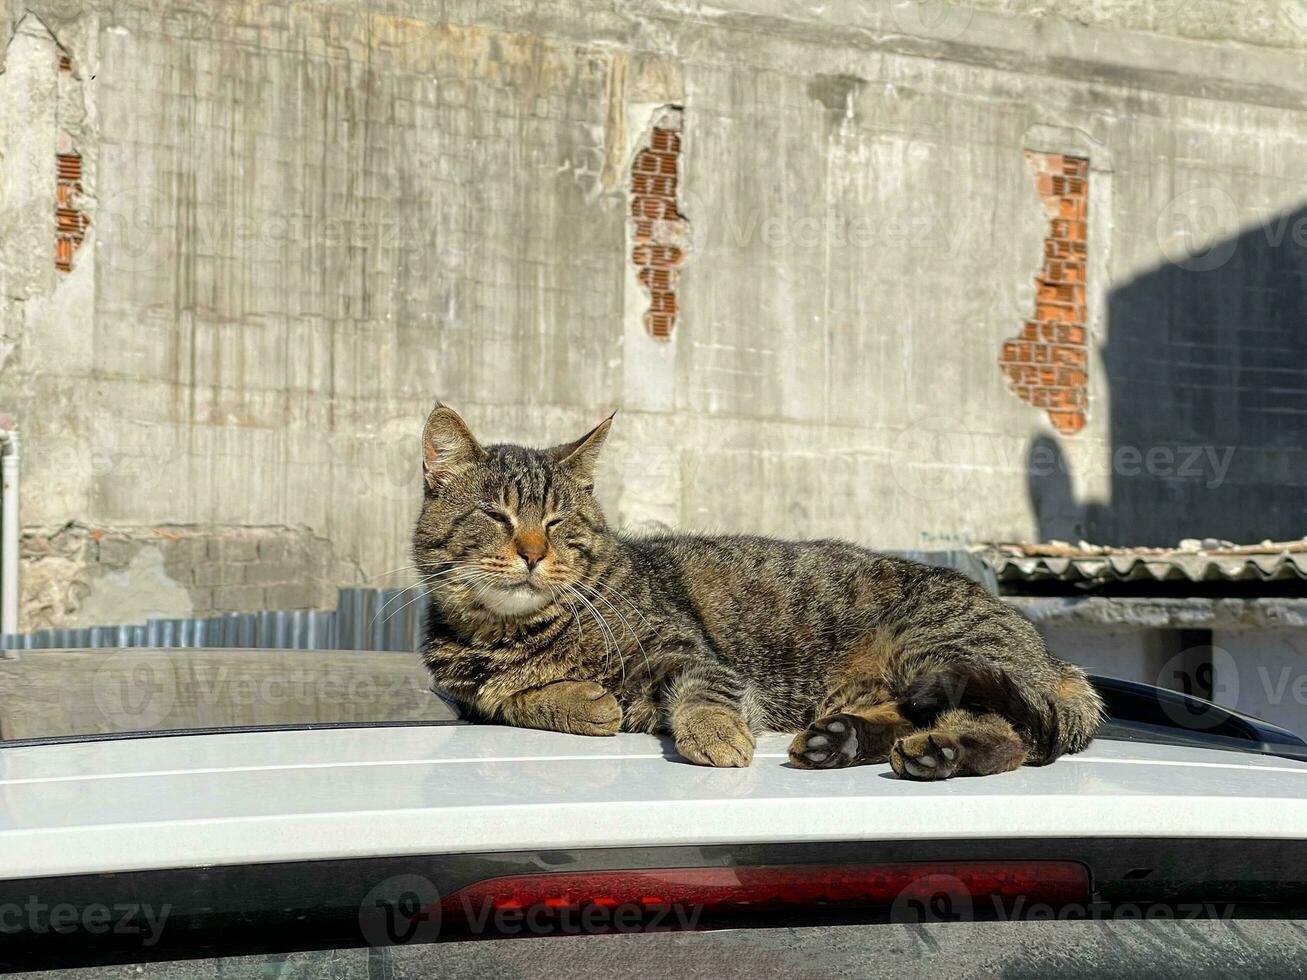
(542, 616)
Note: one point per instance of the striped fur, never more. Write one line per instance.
(714, 639)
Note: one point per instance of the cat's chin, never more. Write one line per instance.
(512, 602)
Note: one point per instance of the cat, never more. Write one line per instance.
(541, 616)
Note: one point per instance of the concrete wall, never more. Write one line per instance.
(309, 220)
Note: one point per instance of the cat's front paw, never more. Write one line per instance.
(713, 736)
(584, 708)
(926, 755)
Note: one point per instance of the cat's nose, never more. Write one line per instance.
(532, 550)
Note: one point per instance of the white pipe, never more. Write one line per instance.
(10, 532)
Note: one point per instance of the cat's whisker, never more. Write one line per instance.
(600, 584)
(488, 583)
(618, 613)
(556, 593)
(595, 583)
(590, 610)
(607, 656)
(419, 585)
(606, 633)
(413, 567)
(419, 594)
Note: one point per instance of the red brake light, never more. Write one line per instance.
(906, 885)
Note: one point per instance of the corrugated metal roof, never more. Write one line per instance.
(1192, 561)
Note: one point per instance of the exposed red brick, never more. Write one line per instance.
(70, 223)
(1046, 363)
(658, 227)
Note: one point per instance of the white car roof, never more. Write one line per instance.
(271, 796)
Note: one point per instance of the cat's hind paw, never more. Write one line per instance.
(926, 756)
(829, 743)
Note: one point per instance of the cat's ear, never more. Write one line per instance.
(578, 458)
(447, 446)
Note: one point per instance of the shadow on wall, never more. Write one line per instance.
(1206, 362)
(1058, 514)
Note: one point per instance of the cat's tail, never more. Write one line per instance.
(1055, 720)
(1077, 711)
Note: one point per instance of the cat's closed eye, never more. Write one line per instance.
(496, 514)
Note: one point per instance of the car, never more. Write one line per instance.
(353, 845)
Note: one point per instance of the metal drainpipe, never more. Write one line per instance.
(10, 532)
